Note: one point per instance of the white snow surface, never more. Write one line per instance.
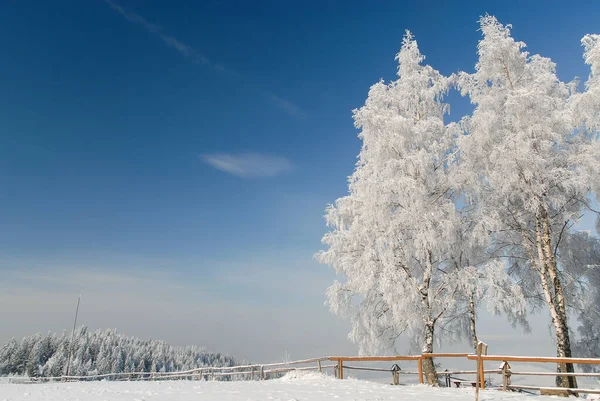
(297, 387)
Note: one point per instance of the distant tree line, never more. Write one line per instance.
(100, 352)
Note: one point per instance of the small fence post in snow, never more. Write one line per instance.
(319, 366)
(262, 372)
(395, 374)
(505, 370)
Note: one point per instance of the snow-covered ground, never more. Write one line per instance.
(307, 387)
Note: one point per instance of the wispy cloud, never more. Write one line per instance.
(185, 50)
(248, 164)
(286, 105)
(192, 54)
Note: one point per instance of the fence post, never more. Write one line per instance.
(481, 374)
(505, 369)
(420, 367)
(262, 372)
(395, 374)
(319, 366)
(340, 369)
(480, 378)
(481, 369)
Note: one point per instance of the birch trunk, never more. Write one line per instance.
(428, 365)
(472, 320)
(555, 299)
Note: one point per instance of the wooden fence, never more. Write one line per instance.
(507, 373)
(503, 370)
(265, 371)
(246, 372)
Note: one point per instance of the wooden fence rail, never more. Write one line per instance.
(506, 372)
(541, 359)
(555, 374)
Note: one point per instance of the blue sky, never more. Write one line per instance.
(185, 151)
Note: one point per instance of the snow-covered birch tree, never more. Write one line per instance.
(395, 238)
(582, 253)
(526, 167)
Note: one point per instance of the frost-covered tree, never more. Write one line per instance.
(20, 358)
(7, 360)
(525, 166)
(57, 364)
(396, 237)
(34, 362)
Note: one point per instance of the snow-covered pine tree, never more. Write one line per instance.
(521, 161)
(7, 353)
(32, 367)
(21, 356)
(395, 237)
(57, 363)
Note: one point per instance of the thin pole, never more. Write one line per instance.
(73, 335)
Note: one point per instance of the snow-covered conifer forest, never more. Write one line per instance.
(100, 352)
(443, 218)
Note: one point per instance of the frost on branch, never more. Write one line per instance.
(586, 113)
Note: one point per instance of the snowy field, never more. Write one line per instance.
(308, 387)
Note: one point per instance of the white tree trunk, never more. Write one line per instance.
(555, 298)
(429, 329)
(472, 318)
(428, 364)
